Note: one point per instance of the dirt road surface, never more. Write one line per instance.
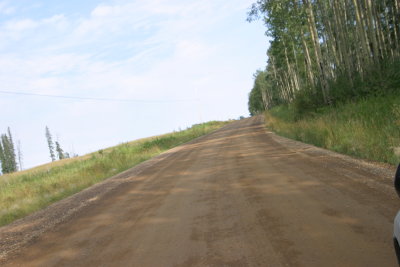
(240, 196)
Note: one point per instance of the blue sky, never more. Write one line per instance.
(180, 62)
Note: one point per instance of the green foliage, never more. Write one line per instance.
(327, 52)
(380, 81)
(30, 190)
(262, 96)
(7, 153)
(305, 103)
(368, 128)
(60, 151)
(255, 101)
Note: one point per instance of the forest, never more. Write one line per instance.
(325, 52)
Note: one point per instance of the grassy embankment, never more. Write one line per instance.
(368, 128)
(24, 192)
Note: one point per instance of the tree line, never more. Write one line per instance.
(326, 51)
(11, 156)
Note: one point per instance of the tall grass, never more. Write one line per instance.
(25, 192)
(368, 128)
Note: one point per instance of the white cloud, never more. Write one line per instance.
(103, 10)
(6, 9)
(21, 25)
(192, 50)
(154, 50)
(172, 52)
(58, 20)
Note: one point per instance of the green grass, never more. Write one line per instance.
(368, 128)
(25, 192)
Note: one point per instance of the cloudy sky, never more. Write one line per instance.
(174, 63)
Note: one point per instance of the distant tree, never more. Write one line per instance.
(50, 144)
(257, 96)
(20, 156)
(12, 154)
(59, 150)
(7, 153)
(2, 159)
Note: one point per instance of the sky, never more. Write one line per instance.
(165, 65)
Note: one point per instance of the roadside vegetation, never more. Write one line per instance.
(368, 128)
(24, 192)
(333, 74)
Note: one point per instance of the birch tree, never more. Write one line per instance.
(50, 144)
(331, 50)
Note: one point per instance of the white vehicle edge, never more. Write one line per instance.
(396, 225)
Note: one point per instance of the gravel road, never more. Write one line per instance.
(240, 196)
